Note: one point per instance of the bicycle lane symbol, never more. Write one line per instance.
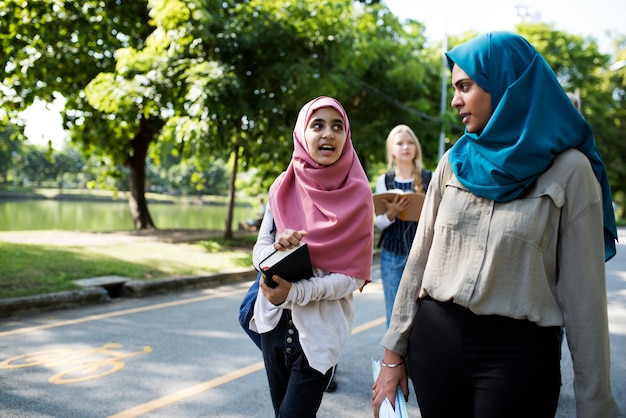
(87, 364)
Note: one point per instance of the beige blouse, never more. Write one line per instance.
(539, 257)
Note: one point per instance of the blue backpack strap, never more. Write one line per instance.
(246, 309)
(389, 177)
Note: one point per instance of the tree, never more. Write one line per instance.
(37, 166)
(49, 46)
(222, 81)
(9, 152)
(391, 78)
(66, 162)
(203, 78)
(153, 86)
(377, 67)
(612, 138)
(258, 118)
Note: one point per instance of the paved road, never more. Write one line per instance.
(184, 355)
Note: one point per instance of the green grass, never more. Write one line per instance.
(36, 269)
(27, 269)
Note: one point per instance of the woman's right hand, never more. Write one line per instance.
(388, 380)
(289, 239)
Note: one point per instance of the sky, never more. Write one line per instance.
(578, 17)
(44, 123)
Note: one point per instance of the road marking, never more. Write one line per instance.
(193, 390)
(213, 295)
(369, 325)
(175, 397)
(188, 392)
(86, 364)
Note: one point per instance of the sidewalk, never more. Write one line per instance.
(130, 288)
(105, 289)
(121, 286)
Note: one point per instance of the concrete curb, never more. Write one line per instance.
(53, 301)
(139, 288)
(131, 289)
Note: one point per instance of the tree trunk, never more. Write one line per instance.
(136, 164)
(228, 228)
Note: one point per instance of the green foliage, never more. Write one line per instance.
(580, 66)
(30, 163)
(10, 159)
(37, 166)
(391, 79)
(189, 177)
(190, 84)
(51, 46)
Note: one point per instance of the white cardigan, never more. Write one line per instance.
(322, 308)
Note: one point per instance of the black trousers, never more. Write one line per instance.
(482, 366)
(295, 387)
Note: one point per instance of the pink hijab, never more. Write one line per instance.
(333, 203)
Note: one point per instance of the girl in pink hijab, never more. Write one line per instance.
(323, 198)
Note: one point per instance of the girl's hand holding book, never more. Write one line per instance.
(289, 239)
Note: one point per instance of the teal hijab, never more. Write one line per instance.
(533, 121)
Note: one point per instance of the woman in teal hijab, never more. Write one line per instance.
(510, 249)
(532, 123)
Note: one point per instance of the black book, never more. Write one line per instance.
(292, 265)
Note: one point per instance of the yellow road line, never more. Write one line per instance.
(210, 384)
(188, 392)
(98, 317)
(369, 325)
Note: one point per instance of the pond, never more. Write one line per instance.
(29, 215)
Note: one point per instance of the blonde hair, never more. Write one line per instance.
(417, 160)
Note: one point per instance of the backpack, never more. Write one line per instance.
(390, 175)
(246, 310)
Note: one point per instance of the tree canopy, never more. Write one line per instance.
(223, 81)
